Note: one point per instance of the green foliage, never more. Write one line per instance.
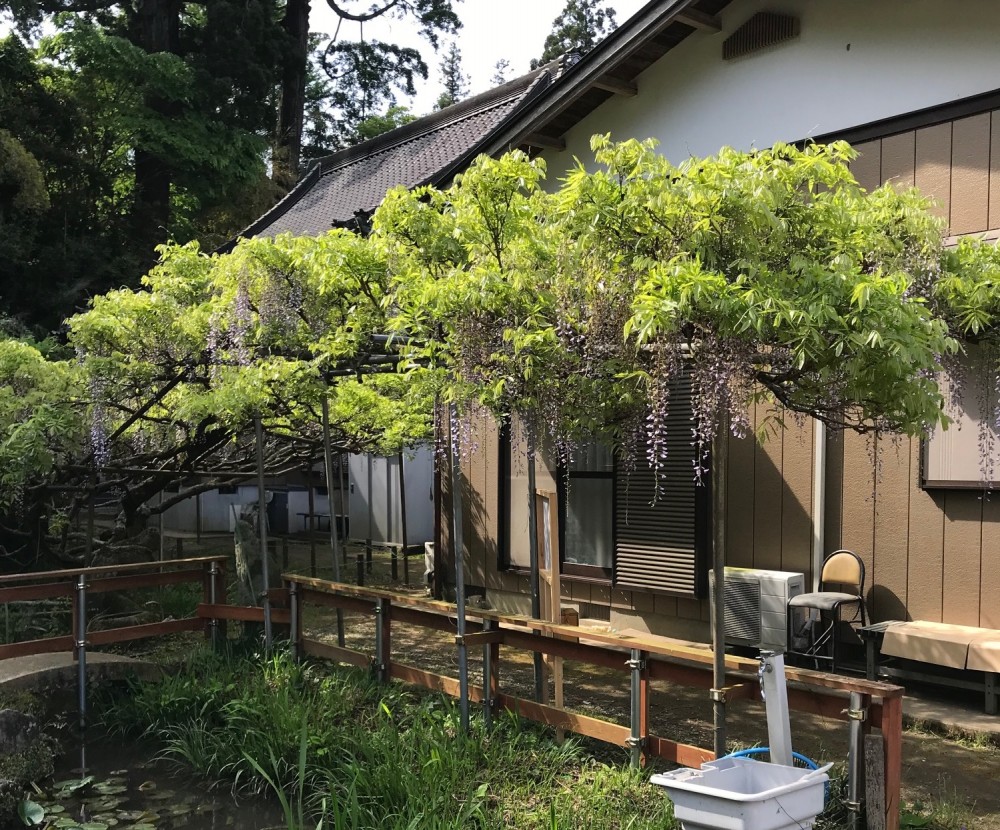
(341, 749)
(579, 27)
(22, 186)
(453, 79)
(376, 125)
(769, 275)
(41, 417)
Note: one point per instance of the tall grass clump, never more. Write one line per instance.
(344, 753)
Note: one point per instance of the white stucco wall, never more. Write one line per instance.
(855, 61)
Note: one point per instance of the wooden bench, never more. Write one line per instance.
(957, 649)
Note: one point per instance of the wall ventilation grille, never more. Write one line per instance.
(761, 31)
(592, 611)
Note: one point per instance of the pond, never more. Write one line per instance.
(123, 787)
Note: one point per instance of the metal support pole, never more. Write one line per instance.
(402, 521)
(295, 620)
(311, 524)
(459, 551)
(361, 569)
(344, 477)
(774, 692)
(488, 625)
(328, 463)
(536, 598)
(213, 596)
(262, 528)
(371, 514)
(81, 649)
(380, 640)
(636, 664)
(720, 457)
(855, 759)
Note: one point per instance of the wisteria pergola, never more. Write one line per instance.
(770, 277)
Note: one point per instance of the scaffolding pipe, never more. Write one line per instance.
(855, 758)
(488, 669)
(719, 459)
(213, 598)
(371, 515)
(402, 521)
(459, 552)
(81, 650)
(636, 664)
(262, 528)
(536, 598)
(294, 621)
(328, 464)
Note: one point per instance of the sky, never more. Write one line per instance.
(491, 30)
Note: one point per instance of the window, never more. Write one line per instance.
(611, 529)
(228, 490)
(954, 457)
(589, 494)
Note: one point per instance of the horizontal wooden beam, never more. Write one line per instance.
(138, 581)
(545, 142)
(430, 680)
(567, 649)
(242, 613)
(683, 754)
(139, 632)
(602, 730)
(48, 645)
(153, 567)
(348, 603)
(27, 593)
(699, 20)
(619, 86)
(484, 638)
(314, 648)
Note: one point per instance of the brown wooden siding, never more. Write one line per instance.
(929, 553)
(769, 522)
(956, 163)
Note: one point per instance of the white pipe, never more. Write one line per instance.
(775, 694)
(818, 501)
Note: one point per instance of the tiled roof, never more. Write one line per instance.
(428, 150)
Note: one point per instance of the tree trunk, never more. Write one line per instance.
(155, 28)
(288, 142)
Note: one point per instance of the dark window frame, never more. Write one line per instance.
(596, 573)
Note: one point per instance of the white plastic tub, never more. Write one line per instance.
(742, 794)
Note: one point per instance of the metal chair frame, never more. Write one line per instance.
(827, 639)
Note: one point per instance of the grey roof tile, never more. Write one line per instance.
(426, 150)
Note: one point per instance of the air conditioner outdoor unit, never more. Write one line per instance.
(756, 606)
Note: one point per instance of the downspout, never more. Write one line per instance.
(818, 501)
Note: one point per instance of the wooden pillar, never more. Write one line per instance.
(892, 735)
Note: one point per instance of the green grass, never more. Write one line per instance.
(344, 753)
(342, 749)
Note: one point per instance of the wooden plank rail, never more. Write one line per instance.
(13, 579)
(81, 582)
(812, 692)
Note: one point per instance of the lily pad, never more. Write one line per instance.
(30, 812)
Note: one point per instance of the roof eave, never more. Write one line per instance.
(582, 76)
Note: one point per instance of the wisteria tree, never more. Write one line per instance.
(168, 380)
(768, 276)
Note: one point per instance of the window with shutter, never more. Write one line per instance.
(661, 539)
